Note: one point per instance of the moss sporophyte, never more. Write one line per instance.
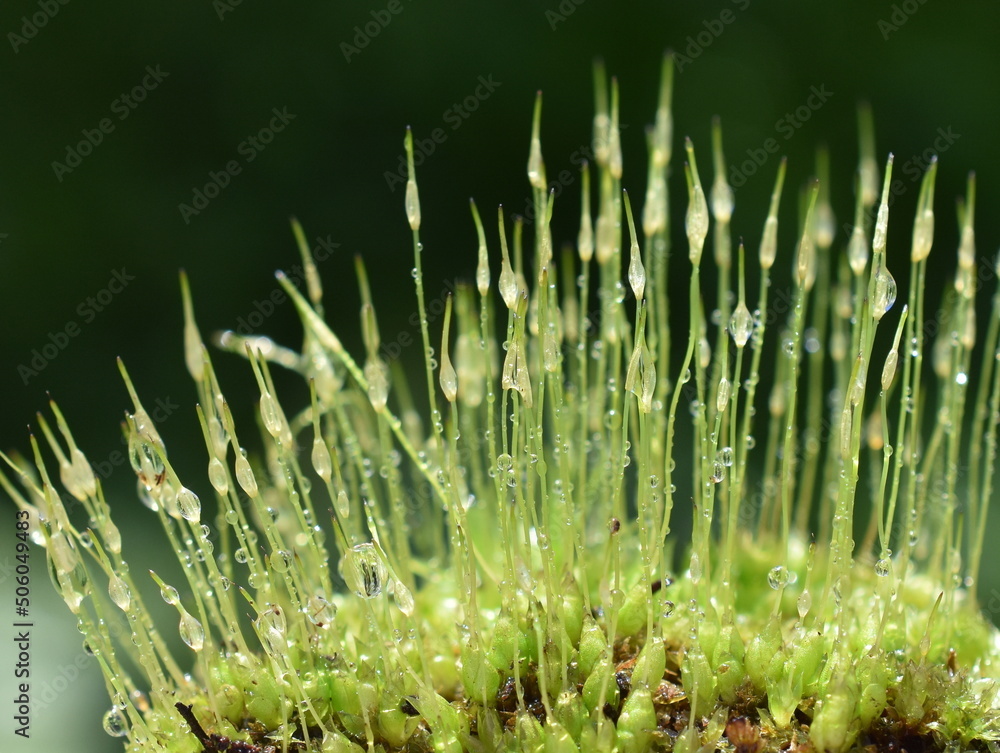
(504, 576)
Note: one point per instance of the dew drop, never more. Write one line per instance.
(403, 598)
(192, 633)
(240, 555)
(119, 593)
(883, 567)
(281, 560)
(189, 505)
(617, 598)
(695, 568)
(115, 723)
(343, 504)
(169, 594)
(245, 477)
(364, 571)
(217, 476)
(320, 612)
(885, 293)
(777, 578)
(804, 604)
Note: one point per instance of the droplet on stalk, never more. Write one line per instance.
(364, 571)
(741, 324)
(885, 293)
(191, 631)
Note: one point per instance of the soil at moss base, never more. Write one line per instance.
(746, 729)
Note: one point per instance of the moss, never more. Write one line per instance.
(506, 578)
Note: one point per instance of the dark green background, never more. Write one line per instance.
(62, 239)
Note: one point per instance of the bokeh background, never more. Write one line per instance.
(223, 67)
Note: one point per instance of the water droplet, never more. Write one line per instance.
(718, 475)
(777, 578)
(115, 723)
(192, 633)
(403, 598)
(885, 292)
(695, 568)
(169, 594)
(668, 609)
(364, 571)
(245, 477)
(189, 505)
(617, 598)
(240, 555)
(726, 456)
(320, 612)
(343, 504)
(883, 567)
(119, 593)
(804, 604)
(280, 560)
(741, 325)
(217, 476)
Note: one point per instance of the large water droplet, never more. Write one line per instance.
(281, 560)
(169, 594)
(192, 633)
(777, 578)
(119, 593)
(695, 568)
(189, 505)
(364, 571)
(741, 324)
(320, 612)
(883, 567)
(885, 293)
(115, 723)
(403, 598)
(245, 477)
(804, 604)
(217, 476)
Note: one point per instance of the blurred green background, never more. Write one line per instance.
(223, 68)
